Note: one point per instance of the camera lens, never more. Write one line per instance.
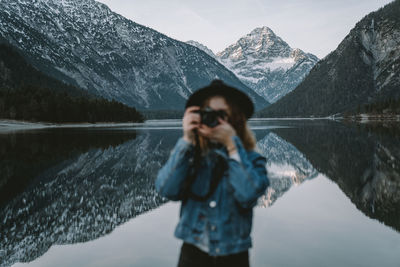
(209, 117)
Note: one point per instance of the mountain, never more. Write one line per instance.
(202, 47)
(84, 43)
(28, 94)
(286, 167)
(266, 63)
(84, 197)
(83, 188)
(15, 72)
(364, 69)
(361, 159)
(23, 157)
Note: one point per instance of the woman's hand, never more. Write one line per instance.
(190, 122)
(221, 133)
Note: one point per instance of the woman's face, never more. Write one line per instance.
(219, 103)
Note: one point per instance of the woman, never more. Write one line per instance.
(218, 176)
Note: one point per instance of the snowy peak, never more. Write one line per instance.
(363, 70)
(263, 31)
(266, 63)
(297, 54)
(259, 43)
(202, 47)
(266, 43)
(286, 166)
(85, 44)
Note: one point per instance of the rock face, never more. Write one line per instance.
(84, 188)
(286, 167)
(266, 63)
(15, 72)
(202, 47)
(362, 160)
(84, 197)
(364, 69)
(84, 43)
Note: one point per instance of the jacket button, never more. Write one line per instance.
(213, 227)
(217, 250)
(213, 204)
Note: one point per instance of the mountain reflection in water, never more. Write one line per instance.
(83, 197)
(363, 160)
(72, 186)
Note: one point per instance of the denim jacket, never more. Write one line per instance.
(220, 225)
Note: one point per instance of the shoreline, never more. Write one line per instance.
(365, 118)
(9, 126)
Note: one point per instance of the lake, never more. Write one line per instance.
(86, 196)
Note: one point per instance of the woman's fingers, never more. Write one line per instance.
(193, 126)
(219, 133)
(221, 121)
(190, 118)
(194, 117)
(191, 109)
(190, 121)
(205, 130)
(190, 115)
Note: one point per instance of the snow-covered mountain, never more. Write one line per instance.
(363, 162)
(286, 167)
(202, 47)
(266, 63)
(364, 69)
(87, 196)
(84, 43)
(84, 198)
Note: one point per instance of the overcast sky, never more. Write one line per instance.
(315, 26)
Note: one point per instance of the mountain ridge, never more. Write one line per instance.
(28, 94)
(110, 55)
(364, 69)
(265, 62)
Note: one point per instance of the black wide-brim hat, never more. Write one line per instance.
(219, 88)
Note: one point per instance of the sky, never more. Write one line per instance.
(315, 26)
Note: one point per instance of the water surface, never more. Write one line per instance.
(86, 197)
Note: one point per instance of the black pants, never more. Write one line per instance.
(192, 256)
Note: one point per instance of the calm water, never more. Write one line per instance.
(85, 197)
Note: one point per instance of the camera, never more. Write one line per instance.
(209, 117)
